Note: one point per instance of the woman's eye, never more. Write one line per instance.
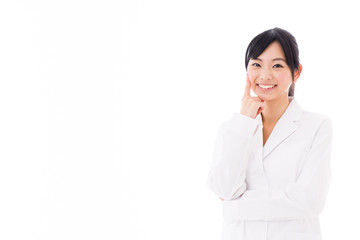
(278, 66)
(256, 65)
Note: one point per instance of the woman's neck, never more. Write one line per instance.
(274, 109)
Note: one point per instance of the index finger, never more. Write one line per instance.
(248, 86)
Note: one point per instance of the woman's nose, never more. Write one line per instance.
(266, 74)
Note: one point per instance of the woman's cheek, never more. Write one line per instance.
(252, 77)
(284, 80)
(284, 77)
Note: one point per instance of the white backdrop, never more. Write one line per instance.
(109, 111)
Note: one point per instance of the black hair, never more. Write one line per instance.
(288, 44)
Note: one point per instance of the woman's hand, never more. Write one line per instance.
(250, 106)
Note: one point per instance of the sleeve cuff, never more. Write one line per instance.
(243, 125)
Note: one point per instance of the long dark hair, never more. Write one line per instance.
(288, 44)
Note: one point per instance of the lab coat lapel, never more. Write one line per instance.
(285, 126)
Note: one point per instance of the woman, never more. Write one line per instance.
(271, 163)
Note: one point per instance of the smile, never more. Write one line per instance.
(266, 86)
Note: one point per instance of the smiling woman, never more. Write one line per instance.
(271, 163)
(289, 50)
(271, 77)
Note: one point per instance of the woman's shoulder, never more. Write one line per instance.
(310, 116)
(316, 120)
(315, 116)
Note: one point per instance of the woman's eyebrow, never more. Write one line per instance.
(275, 59)
(281, 59)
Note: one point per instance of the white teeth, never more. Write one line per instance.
(266, 86)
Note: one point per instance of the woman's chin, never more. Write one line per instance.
(272, 97)
(264, 97)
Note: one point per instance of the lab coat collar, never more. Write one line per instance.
(285, 126)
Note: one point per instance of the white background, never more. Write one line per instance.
(109, 111)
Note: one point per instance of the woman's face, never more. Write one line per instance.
(269, 74)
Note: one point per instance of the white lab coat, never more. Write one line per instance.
(275, 192)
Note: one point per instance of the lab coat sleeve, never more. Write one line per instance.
(226, 177)
(303, 198)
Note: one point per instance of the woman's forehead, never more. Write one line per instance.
(273, 52)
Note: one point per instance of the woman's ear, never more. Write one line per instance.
(297, 73)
